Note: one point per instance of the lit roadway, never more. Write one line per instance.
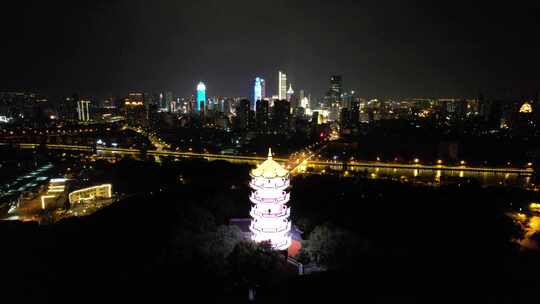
(291, 163)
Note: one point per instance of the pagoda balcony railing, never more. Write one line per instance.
(256, 229)
(282, 199)
(255, 212)
(282, 185)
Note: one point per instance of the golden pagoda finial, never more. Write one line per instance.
(269, 153)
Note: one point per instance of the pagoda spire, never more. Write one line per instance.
(269, 153)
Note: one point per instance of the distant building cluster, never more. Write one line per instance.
(287, 110)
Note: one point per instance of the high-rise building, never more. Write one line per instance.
(334, 91)
(243, 115)
(201, 97)
(336, 84)
(263, 89)
(257, 91)
(162, 103)
(262, 116)
(134, 108)
(269, 213)
(168, 100)
(355, 112)
(290, 93)
(282, 85)
(227, 105)
(83, 110)
(69, 108)
(280, 116)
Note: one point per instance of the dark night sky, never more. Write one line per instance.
(399, 48)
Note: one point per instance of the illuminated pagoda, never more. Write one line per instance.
(270, 213)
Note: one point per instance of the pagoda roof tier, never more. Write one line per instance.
(269, 169)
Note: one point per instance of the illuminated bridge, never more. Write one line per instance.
(415, 169)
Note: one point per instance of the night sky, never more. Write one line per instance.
(382, 48)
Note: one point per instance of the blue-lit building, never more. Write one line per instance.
(201, 97)
(258, 91)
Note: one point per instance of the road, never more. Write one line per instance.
(306, 159)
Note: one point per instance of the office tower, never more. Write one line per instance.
(162, 103)
(83, 110)
(336, 84)
(134, 108)
(290, 93)
(134, 99)
(69, 108)
(262, 116)
(168, 100)
(280, 116)
(257, 91)
(355, 111)
(282, 85)
(263, 89)
(201, 97)
(334, 91)
(227, 106)
(243, 113)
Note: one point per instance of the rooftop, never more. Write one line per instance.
(269, 168)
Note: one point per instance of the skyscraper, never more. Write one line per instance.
(257, 91)
(243, 115)
(334, 91)
(262, 116)
(280, 116)
(263, 89)
(201, 97)
(290, 93)
(336, 85)
(168, 101)
(282, 85)
(83, 110)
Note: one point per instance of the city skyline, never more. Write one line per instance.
(240, 151)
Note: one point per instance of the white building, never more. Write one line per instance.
(270, 214)
(83, 110)
(282, 85)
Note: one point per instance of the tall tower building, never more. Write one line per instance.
(263, 89)
(168, 101)
(262, 116)
(334, 91)
(290, 93)
(243, 115)
(282, 85)
(281, 116)
(269, 213)
(83, 110)
(257, 95)
(336, 85)
(201, 97)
